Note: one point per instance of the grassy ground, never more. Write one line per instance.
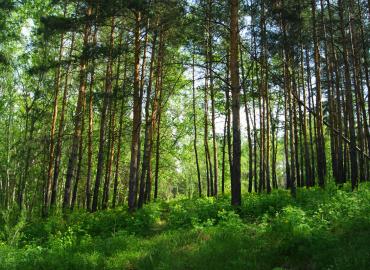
(318, 230)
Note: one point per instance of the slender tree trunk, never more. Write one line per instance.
(158, 143)
(28, 136)
(156, 107)
(121, 96)
(235, 90)
(195, 136)
(136, 123)
(79, 164)
(228, 117)
(250, 153)
(338, 125)
(362, 122)
(148, 125)
(103, 116)
(349, 99)
(206, 146)
(212, 93)
(308, 176)
(321, 160)
(58, 147)
(90, 131)
(112, 135)
(223, 157)
(78, 119)
(266, 100)
(311, 129)
(53, 125)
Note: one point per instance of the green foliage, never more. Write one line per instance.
(320, 229)
(12, 225)
(57, 24)
(192, 213)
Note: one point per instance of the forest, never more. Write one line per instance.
(184, 134)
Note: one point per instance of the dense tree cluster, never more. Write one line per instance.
(105, 103)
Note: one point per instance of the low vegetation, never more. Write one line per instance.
(320, 229)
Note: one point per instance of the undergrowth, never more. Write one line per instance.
(320, 229)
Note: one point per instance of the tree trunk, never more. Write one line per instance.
(90, 132)
(195, 135)
(78, 118)
(235, 90)
(321, 160)
(103, 116)
(349, 99)
(120, 130)
(58, 147)
(52, 130)
(148, 124)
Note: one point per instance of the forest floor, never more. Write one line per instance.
(320, 229)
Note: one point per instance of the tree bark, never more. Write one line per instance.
(235, 90)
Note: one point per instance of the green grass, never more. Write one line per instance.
(318, 230)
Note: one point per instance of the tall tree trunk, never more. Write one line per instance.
(136, 122)
(362, 122)
(122, 96)
(307, 156)
(195, 135)
(310, 105)
(141, 95)
(223, 157)
(104, 111)
(228, 116)
(349, 99)
(52, 129)
(250, 153)
(28, 136)
(78, 117)
(321, 160)
(212, 93)
(148, 124)
(58, 147)
(334, 61)
(112, 132)
(90, 131)
(156, 107)
(79, 164)
(235, 90)
(158, 141)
